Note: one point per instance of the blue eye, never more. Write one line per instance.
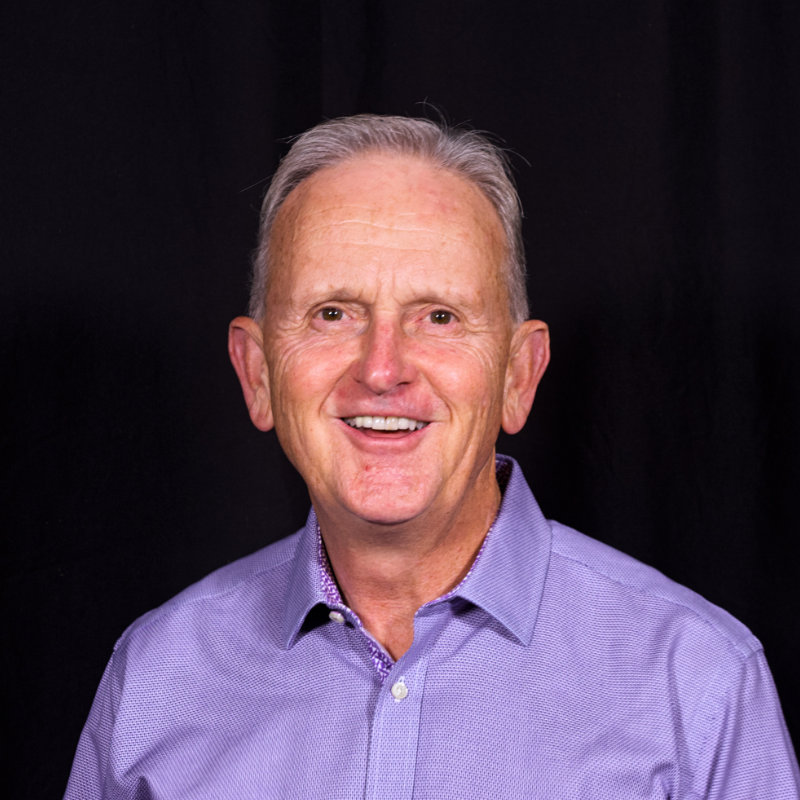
(331, 314)
(441, 317)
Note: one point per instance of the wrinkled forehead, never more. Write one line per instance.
(386, 200)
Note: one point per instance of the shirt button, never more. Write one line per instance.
(399, 690)
(337, 616)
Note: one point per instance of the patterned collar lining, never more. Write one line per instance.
(381, 660)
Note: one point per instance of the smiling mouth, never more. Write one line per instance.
(386, 423)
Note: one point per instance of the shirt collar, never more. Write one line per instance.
(305, 590)
(506, 580)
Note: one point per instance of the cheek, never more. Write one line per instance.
(466, 375)
(303, 374)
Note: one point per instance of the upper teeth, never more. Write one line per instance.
(386, 423)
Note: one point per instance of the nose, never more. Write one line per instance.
(383, 364)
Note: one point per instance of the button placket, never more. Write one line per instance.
(395, 732)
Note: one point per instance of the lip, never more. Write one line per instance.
(389, 422)
(388, 442)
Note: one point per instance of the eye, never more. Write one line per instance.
(441, 317)
(331, 314)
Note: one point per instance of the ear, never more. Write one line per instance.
(529, 355)
(246, 349)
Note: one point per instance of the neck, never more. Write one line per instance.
(387, 572)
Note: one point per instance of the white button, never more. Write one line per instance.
(399, 690)
(337, 616)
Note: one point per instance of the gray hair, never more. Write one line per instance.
(468, 153)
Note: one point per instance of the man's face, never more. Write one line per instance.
(387, 338)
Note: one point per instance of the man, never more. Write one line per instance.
(428, 634)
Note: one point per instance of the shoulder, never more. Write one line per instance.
(636, 639)
(236, 595)
(626, 592)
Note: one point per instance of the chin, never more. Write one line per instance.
(384, 505)
(381, 514)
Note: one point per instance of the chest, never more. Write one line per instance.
(468, 716)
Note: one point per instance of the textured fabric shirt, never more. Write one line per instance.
(558, 668)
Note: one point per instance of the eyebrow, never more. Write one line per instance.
(456, 300)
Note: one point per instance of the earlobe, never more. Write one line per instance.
(528, 358)
(246, 350)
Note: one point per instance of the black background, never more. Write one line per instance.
(658, 164)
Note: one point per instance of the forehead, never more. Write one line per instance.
(387, 204)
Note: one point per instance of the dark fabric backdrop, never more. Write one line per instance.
(658, 163)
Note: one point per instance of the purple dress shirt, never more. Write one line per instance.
(559, 668)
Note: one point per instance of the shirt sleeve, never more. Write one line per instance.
(747, 753)
(89, 769)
